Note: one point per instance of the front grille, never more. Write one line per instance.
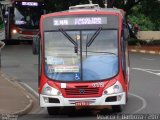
(83, 86)
(85, 90)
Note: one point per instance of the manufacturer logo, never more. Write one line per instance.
(81, 91)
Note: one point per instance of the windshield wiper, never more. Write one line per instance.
(100, 52)
(94, 36)
(105, 52)
(67, 36)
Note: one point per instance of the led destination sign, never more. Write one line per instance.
(30, 3)
(80, 21)
(83, 21)
(87, 21)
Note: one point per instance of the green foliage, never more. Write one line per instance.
(143, 21)
(146, 15)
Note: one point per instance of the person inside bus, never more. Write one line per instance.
(28, 17)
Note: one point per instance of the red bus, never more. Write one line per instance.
(83, 58)
(22, 19)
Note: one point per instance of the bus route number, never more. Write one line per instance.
(99, 84)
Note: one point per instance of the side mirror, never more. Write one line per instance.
(36, 45)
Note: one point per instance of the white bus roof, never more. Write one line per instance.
(95, 7)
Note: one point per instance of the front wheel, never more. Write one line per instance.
(53, 110)
(117, 108)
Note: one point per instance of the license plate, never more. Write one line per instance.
(82, 103)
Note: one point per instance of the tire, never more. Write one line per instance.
(53, 110)
(117, 108)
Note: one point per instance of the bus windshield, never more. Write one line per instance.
(81, 55)
(27, 17)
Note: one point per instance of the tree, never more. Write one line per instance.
(143, 12)
(126, 5)
(146, 14)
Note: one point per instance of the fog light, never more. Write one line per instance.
(46, 100)
(119, 97)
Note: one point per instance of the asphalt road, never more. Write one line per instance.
(144, 96)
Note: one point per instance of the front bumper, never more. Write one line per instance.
(95, 101)
(18, 36)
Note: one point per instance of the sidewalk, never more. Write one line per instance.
(13, 98)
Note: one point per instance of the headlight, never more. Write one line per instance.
(116, 88)
(48, 90)
(14, 31)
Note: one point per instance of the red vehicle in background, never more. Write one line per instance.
(83, 58)
(22, 19)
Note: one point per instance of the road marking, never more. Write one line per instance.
(132, 50)
(152, 52)
(31, 89)
(142, 51)
(148, 59)
(43, 110)
(148, 71)
(144, 103)
(151, 70)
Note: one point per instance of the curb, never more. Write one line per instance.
(28, 108)
(145, 51)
